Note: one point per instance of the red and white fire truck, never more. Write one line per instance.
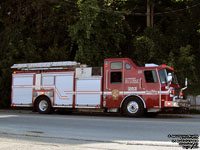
(118, 86)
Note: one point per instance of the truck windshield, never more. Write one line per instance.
(163, 76)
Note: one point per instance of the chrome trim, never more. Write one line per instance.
(160, 88)
(107, 79)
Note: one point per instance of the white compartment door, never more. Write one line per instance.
(64, 86)
(22, 89)
(88, 92)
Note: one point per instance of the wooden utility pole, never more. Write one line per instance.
(150, 14)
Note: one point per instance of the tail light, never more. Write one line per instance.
(13, 105)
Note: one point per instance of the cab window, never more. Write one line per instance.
(116, 65)
(150, 76)
(116, 77)
(163, 76)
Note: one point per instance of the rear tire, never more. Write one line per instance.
(43, 105)
(133, 107)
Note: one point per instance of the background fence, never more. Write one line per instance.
(195, 101)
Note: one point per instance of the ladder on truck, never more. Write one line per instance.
(48, 65)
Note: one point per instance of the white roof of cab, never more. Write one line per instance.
(151, 65)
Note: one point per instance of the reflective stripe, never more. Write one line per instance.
(139, 92)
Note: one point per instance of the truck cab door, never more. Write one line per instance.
(113, 83)
(151, 86)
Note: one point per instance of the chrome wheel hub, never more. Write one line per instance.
(132, 107)
(43, 105)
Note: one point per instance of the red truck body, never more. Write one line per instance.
(118, 86)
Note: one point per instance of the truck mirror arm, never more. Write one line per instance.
(186, 83)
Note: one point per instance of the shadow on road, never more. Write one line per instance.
(96, 113)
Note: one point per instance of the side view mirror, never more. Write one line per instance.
(169, 77)
(186, 82)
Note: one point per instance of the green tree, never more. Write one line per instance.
(32, 31)
(99, 32)
(91, 30)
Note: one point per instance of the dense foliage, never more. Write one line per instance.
(90, 30)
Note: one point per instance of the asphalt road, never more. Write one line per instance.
(80, 129)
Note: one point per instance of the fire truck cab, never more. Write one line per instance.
(118, 86)
(135, 89)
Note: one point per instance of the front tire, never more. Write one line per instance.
(133, 107)
(43, 105)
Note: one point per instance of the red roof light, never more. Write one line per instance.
(168, 67)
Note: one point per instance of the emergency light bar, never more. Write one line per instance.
(168, 67)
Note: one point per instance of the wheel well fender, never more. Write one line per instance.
(136, 96)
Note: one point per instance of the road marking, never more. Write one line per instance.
(8, 116)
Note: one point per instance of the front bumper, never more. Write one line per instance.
(178, 103)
